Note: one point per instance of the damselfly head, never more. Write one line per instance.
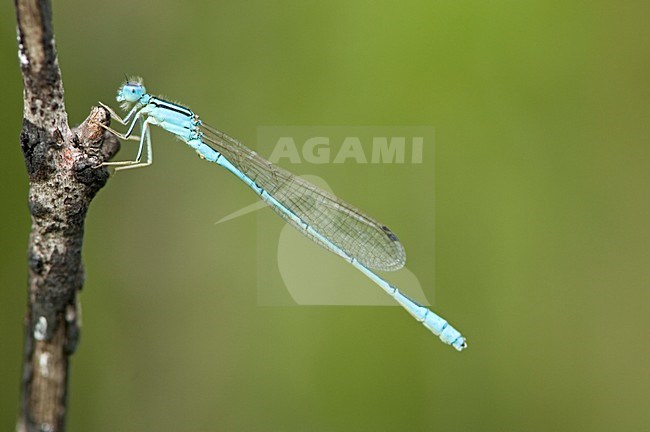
(131, 92)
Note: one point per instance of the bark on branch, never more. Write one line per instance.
(65, 173)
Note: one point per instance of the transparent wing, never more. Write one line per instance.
(368, 241)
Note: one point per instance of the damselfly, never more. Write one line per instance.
(321, 216)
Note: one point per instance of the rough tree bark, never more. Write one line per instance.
(65, 173)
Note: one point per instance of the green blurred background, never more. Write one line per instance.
(541, 217)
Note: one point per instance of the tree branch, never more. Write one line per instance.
(65, 173)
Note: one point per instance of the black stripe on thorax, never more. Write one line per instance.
(157, 102)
